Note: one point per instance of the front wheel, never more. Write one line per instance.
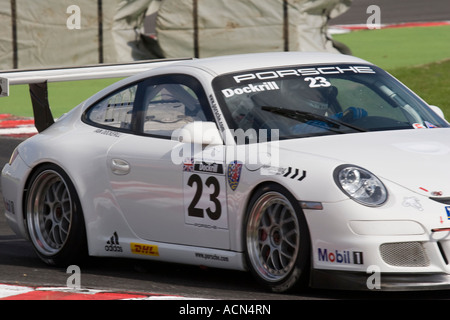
(54, 217)
(277, 239)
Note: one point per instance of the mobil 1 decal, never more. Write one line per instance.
(204, 194)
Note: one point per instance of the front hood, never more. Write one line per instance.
(416, 159)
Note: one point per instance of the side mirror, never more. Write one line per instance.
(198, 132)
(438, 111)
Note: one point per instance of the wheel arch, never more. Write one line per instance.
(255, 189)
(262, 188)
(29, 181)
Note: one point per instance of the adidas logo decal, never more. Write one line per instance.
(113, 244)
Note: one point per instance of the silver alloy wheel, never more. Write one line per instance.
(273, 237)
(49, 212)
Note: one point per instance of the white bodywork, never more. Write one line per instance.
(131, 189)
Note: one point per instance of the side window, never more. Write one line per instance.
(115, 110)
(169, 106)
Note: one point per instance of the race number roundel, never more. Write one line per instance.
(204, 194)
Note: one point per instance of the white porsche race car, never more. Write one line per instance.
(303, 168)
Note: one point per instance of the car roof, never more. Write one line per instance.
(219, 65)
(235, 63)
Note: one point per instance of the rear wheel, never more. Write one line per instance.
(54, 217)
(277, 239)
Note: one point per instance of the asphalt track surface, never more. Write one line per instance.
(20, 266)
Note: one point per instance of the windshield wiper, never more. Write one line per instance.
(307, 116)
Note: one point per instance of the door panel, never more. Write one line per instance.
(161, 200)
(164, 201)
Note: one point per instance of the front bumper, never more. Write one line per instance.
(371, 281)
(395, 247)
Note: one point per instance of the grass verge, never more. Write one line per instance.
(394, 48)
(417, 56)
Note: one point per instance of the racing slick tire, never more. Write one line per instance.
(277, 240)
(54, 217)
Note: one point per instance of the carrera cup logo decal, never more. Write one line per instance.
(234, 174)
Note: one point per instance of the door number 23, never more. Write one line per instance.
(214, 209)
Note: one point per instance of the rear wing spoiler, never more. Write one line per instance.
(37, 80)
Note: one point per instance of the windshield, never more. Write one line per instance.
(321, 100)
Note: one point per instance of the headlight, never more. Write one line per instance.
(360, 185)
